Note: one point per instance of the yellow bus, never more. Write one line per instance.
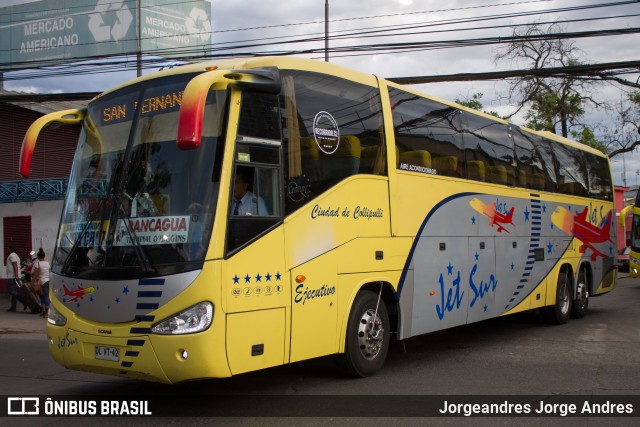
(634, 254)
(232, 216)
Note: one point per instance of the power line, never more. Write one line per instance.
(586, 71)
(371, 31)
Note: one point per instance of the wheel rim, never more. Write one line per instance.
(564, 298)
(582, 295)
(370, 334)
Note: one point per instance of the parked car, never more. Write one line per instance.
(623, 258)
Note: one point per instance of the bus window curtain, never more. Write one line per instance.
(380, 161)
(295, 157)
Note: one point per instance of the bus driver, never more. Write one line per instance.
(244, 201)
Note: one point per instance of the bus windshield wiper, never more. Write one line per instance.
(138, 249)
(74, 248)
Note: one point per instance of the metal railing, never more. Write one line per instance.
(33, 190)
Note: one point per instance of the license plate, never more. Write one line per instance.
(108, 353)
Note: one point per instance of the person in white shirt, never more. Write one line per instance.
(13, 273)
(40, 272)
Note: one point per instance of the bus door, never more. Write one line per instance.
(255, 285)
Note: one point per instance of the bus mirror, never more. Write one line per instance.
(191, 114)
(65, 117)
(266, 80)
(623, 215)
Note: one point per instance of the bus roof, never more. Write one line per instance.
(293, 63)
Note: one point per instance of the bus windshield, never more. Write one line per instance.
(136, 203)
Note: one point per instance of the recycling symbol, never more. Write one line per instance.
(106, 9)
(198, 24)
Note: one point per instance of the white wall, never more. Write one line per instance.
(45, 218)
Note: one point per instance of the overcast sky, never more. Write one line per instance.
(232, 20)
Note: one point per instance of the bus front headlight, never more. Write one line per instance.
(55, 317)
(194, 319)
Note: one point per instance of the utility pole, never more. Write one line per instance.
(139, 38)
(326, 30)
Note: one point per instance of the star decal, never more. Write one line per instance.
(473, 219)
(236, 279)
(278, 276)
(258, 278)
(549, 248)
(449, 269)
(526, 214)
(268, 277)
(513, 266)
(247, 279)
(477, 255)
(125, 290)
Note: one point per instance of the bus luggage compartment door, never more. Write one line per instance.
(255, 340)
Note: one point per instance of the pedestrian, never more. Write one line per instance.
(13, 274)
(40, 273)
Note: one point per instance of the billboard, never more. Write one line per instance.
(52, 32)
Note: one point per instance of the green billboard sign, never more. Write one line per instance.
(51, 32)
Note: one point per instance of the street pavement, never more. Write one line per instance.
(19, 321)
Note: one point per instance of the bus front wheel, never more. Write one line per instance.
(367, 339)
(559, 313)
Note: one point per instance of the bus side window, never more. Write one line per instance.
(531, 173)
(488, 141)
(427, 133)
(332, 130)
(572, 172)
(600, 186)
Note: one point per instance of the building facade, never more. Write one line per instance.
(30, 208)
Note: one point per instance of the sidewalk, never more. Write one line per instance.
(20, 321)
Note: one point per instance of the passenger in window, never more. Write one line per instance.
(245, 203)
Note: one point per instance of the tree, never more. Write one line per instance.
(551, 101)
(624, 135)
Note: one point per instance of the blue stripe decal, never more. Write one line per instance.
(140, 331)
(135, 343)
(130, 353)
(142, 318)
(126, 364)
(147, 306)
(149, 294)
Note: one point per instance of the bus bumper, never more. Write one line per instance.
(160, 358)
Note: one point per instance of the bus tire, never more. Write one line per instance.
(559, 313)
(581, 303)
(367, 338)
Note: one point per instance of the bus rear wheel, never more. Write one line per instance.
(367, 338)
(581, 303)
(559, 313)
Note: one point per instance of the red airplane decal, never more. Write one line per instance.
(78, 293)
(579, 227)
(494, 215)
